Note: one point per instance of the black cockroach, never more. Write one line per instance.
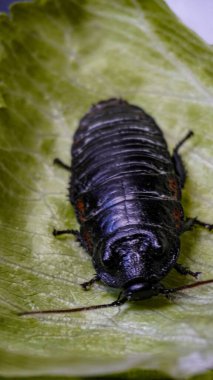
(126, 191)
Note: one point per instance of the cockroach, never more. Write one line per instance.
(125, 188)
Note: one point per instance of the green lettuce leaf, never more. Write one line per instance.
(56, 59)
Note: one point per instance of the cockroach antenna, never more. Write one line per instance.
(120, 301)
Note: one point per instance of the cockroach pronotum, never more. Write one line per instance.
(125, 188)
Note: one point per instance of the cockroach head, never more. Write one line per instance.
(139, 290)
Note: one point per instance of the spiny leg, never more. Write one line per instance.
(87, 284)
(66, 232)
(183, 270)
(188, 226)
(177, 160)
(60, 163)
(193, 222)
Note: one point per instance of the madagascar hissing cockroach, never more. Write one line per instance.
(125, 188)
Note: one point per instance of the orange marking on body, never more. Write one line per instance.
(81, 209)
(177, 216)
(173, 187)
(88, 240)
(80, 205)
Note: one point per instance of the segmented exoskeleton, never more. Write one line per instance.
(126, 191)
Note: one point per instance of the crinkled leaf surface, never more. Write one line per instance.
(57, 58)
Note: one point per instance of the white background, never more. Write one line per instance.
(196, 14)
